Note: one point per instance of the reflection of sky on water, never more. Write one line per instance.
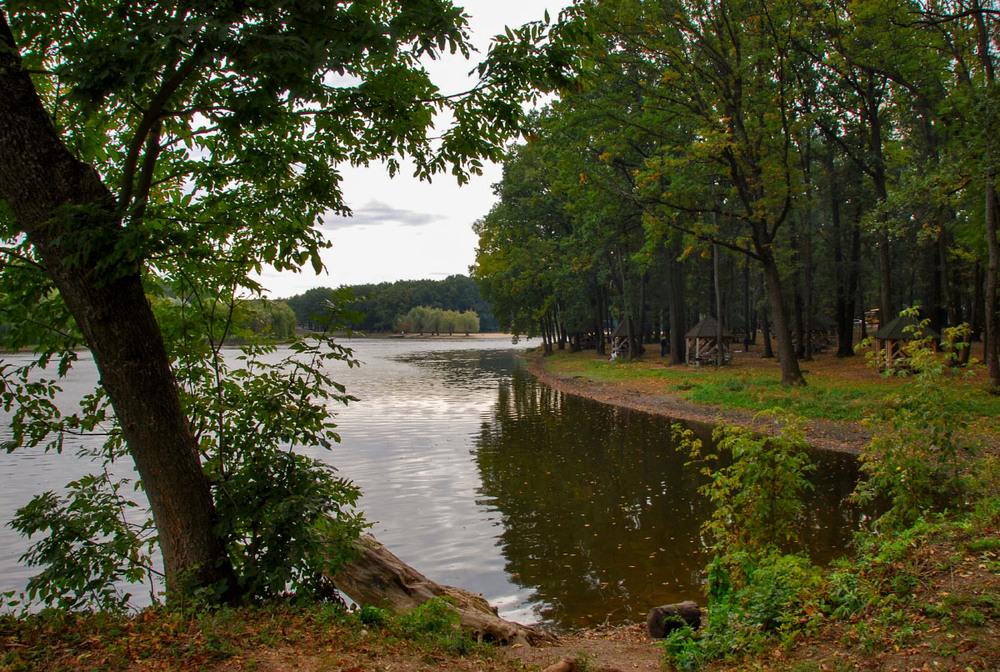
(553, 507)
(407, 443)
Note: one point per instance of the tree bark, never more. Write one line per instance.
(790, 372)
(993, 246)
(69, 217)
(807, 282)
(675, 304)
(844, 275)
(765, 327)
(873, 101)
(991, 317)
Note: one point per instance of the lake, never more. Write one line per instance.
(557, 509)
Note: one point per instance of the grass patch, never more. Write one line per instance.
(837, 389)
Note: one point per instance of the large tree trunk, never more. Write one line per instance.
(790, 372)
(675, 304)
(69, 217)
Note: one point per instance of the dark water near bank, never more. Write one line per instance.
(555, 508)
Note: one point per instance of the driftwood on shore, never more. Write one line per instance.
(379, 578)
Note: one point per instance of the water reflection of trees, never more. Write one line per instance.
(600, 514)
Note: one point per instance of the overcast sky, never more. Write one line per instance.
(404, 229)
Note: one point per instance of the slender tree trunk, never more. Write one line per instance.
(59, 202)
(807, 280)
(675, 303)
(873, 101)
(993, 247)
(719, 343)
(599, 318)
(747, 321)
(990, 311)
(975, 308)
(797, 320)
(842, 271)
(640, 338)
(765, 325)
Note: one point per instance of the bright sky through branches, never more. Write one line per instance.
(403, 228)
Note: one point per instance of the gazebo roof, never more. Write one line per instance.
(821, 321)
(623, 329)
(707, 328)
(894, 330)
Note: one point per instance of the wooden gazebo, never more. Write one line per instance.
(824, 329)
(889, 340)
(704, 346)
(620, 338)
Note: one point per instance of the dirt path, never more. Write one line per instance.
(622, 648)
(640, 396)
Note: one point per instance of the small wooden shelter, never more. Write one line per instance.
(704, 345)
(620, 338)
(824, 331)
(889, 340)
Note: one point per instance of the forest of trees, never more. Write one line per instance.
(385, 303)
(769, 161)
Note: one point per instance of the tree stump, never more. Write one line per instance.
(666, 618)
(377, 577)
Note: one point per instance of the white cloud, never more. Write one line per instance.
(377, 213)
(408, 229)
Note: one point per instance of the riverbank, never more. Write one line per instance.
(637, 395)
(839, 393)
(927, 600)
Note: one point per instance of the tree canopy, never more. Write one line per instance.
(155, 156)
(766, 162)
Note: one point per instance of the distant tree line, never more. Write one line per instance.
(423, 320)
(383, 305)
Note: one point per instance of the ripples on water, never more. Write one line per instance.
(555, 508)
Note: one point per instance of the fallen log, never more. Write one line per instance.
(377, 577)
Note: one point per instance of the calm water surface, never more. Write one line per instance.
(555, 508)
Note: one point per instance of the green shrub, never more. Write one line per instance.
(756, 593)
(287, 521)
(776, 596)
(917, 458)
(758, 498)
